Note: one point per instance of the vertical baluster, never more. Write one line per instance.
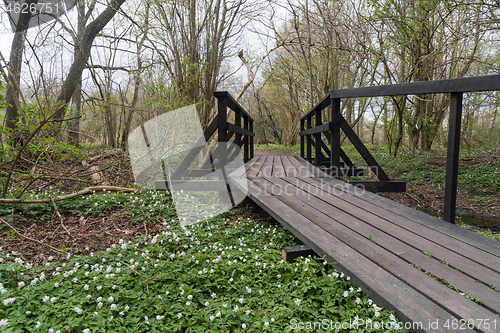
(454, 124)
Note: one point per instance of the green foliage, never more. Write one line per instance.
(420, 169)
(140, 206)
(2, 89)
(291, 149)
(487, 233)
(221, 274)
(31, 143)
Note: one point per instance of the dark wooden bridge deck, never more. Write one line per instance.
(378, 243)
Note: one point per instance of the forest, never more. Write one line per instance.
(76, 83)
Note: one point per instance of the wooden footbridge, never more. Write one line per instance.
(436, 276)
(405, 260)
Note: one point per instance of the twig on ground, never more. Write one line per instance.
(60, 217)
(31, 239)
(411, 196)
(53, 232)
(68, 196)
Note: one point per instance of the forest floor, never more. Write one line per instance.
(85, 233)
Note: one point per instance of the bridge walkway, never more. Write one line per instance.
(425, 269)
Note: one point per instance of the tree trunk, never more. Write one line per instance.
(14, 69)
(76, 98)
(80, 59)
(137, 83)
(76, 106)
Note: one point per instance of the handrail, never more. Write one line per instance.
(456, 87)
(464, 84)
(232, 103)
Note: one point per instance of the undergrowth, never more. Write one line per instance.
(225, 273)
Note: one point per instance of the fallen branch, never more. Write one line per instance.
(60, 217)
(31, 239)
(411, 196)
(68, 196)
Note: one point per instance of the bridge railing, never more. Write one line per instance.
(311, 135)
(241, 130)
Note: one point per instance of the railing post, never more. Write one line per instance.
(237, 122)
(335, 140)
(302, 139)
(454, 124)
(309, 139)
(317, 140)
(222, 145)
(246, 140)
(251, 139)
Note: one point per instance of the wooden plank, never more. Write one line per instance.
(465, 84)
(196, 149)
(402, 243)
(242, 170)
(302, 139)
(363, 151)
(278, 169)
(290, 170)
(193, 185)
(318, 155)
(336, 115)
(267, 167)
(450, 190)
(325, 101)
(315, 171)
(316, 130)
(343, 155)
(452, 301)
(301, 169)
(380, 186)
(246, 142)
(255, 168)
(290, 253)
(239, 130)
(309, 139)
(251, 139)
(232, 103)
(488, 261)
(221, 150)
(445, 229)
(385, 289)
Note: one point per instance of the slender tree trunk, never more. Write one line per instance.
(76, 98)
(14, 69)
(137, 83)
(80, 59)
(76, 106)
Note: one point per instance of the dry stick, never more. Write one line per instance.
(31, 239)
(60, 217)
(53, 232)
(71, 195)
(411, 196)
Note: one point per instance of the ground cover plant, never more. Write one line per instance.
(221, 275)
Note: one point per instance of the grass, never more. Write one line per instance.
(225, 273)
(420, 169)
(487, 233)
(292, 150)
